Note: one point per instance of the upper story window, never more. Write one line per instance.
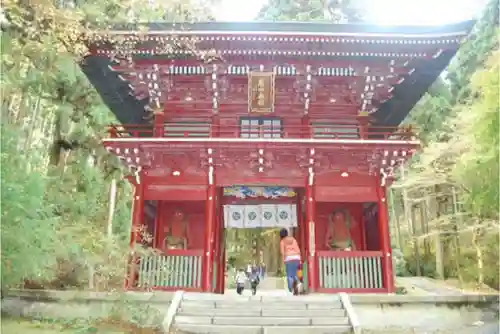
(334, 131)
(187, 129)
(260, 127)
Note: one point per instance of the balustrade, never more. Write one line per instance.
(350, 270)
(177, 269)
(337, 130)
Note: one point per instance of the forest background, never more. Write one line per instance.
(60, 229)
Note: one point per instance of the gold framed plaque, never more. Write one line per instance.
(261, 92)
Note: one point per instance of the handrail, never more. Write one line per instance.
(172, 311)
(181, 252)
(344, 254)
(351, 314)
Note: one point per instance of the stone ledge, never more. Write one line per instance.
(88, 296)
(212, 297)
(472, 299)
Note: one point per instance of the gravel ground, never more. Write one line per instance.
(27, 326)
(491, 328)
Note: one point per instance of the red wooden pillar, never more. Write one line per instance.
(158, 225)
(209, 234)
(219, 247)
(218, 223)
(113, 133)
(385, 242)
(137, 221)
(301, 225)
(222, 259)
(310, 206)
(159, 124)
(362, 228)
(215, 127)
(306, 130)
(363, 121)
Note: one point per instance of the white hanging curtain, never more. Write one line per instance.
(284, 215)
(268, 214)
(264, 215)
(252, 216)
(234, 216)
(295, 221)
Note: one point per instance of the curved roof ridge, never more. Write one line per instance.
(296, 28)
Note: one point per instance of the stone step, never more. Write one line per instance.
(224, 312)
(260, 321)
(196, 310)
(246, 304)
(222, 329)
(313, 298)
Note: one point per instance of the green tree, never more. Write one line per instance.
(55, 172)
(478, 129)
(28, 225)
(312, 10)
(431, 111)
(455, 176)
(482, 41)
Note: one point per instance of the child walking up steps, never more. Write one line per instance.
(240, 279)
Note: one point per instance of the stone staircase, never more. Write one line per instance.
(315, 314)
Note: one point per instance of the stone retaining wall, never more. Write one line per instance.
(467, 314)
(146, 309)
(458, 314)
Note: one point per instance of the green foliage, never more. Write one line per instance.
(312, 10)
(398, 262)
(55, 172)
(478, 125)
(426, 261)
(482, 41)
(28, 226)
(459, 164)
(431, 112)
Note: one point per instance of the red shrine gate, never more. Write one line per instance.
(311, 110)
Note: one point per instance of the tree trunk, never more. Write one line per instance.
(457, 219)
(433, 212)
(479, 256)
(33, 124)
(406, 204)
(416, 243)
(424, 227)
(439, 255)
(91, 273)
(395, 219)
(112, 204)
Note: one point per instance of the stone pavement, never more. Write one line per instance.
(272, 283)
(421, 283)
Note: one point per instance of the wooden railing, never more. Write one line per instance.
(175, 270)
(338, 130)
(350, 270)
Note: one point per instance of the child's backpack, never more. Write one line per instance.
(300, 274)
(298, 286)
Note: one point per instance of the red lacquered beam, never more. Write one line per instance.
(331, 130)
(375, 65)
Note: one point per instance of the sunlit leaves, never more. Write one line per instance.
(478, 126)
(315, 10)
(28, 226)
(54, 215)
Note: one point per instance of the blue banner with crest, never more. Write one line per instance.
(253, 192)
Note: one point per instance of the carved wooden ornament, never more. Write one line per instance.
(261, 92)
